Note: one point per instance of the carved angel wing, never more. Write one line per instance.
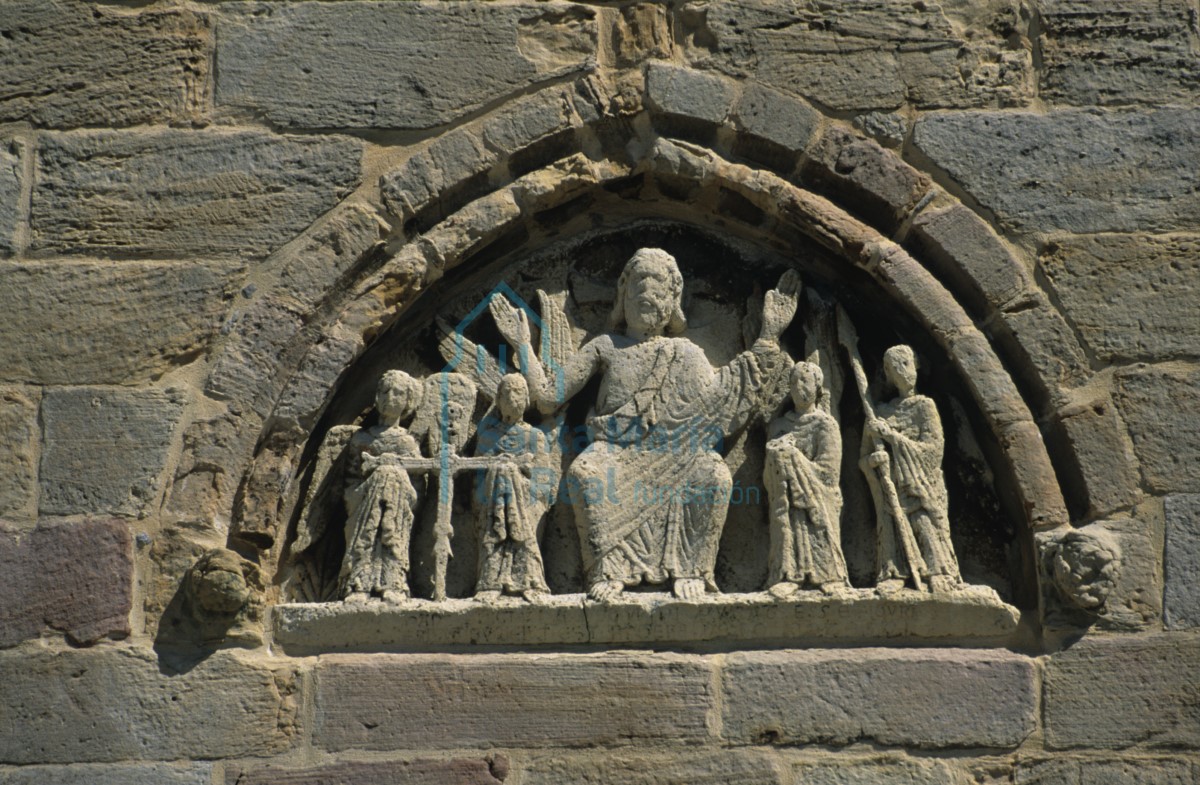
(324, 488)
(469, 359)
(447, 411)
(558, 336)
(820, 346)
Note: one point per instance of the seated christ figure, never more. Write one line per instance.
(651, 492)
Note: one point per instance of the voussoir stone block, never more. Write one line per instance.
(248, 369)
(556, 700)
(67, 63)
(874, 180)
(71, 576)
(104, 448)
(180, 193)
(1043, 345)
(445, 165)
(1119, 692)
(921, 698)
(1181, 557)
(459, 771)
(692, 95)
(866, 55)
(155, 316)
(110, 774)
(1099, 445)
(970, 257)
(10, 193)
(115, 704)
(392, 65)
(1065, 170)
(776, 117)
(532, 119)
(1158, 404)
(1142, 51)
(1130, 296)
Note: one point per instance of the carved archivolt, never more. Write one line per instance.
(686, 182)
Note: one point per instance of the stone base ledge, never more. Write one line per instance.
(974, 616)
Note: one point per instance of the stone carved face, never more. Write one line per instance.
(649, 295)
(398, 396)
(806, 384)
(512, 397)
(900, 365)
(1086, 565)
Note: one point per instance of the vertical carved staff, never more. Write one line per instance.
(883, 468)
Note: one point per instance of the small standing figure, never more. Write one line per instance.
(902, 459)
(380, 498)
(802, 471)
(513, 496)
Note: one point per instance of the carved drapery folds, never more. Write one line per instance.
(631, 434)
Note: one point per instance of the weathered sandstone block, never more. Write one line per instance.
(71, 576)
(1096, 437)
(68, 63)
(878, 184)
(10, 194)
(1067, 771)
(1064, 171)
(415, 701)
(684, 93)
(93, 322)
(104, 449)
(1130, 296)
(175, 193)
(1038, 338)
(776, 117)
(725, 767)
(931, 56)
(392, 65)
(1131, 52)
(18, 454)
(901, 771)
(114, 704)
(1181, 594)
(110, 774)
(459, 771)
(1159, 405)
(922, 698)
(449, 162)
(1121, 692)
(969, 256)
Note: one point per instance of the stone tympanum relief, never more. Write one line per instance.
(627, 432)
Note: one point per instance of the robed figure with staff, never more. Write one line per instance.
(902, 460)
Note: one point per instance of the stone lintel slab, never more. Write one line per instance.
(972, 617)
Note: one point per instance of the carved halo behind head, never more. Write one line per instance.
(642, 259)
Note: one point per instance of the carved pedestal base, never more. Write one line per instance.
(973, 616)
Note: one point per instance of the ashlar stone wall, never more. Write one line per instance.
(210, 211)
